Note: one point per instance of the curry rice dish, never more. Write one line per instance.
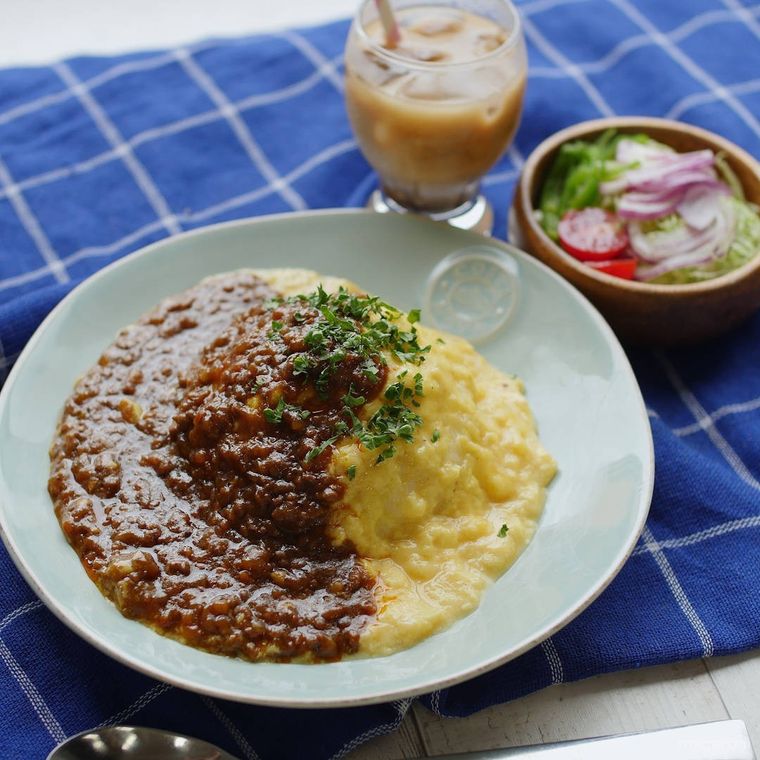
(275, 466)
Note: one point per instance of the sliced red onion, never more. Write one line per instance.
(641, 207)
(662, 247)
(699, 205)
(664, 169)
(638, 205)
(652, 176)
(654, 180)
(653, 247)
(679, 178)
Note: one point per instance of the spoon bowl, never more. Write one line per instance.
(136, 743)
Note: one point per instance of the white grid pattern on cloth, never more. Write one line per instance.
(688, 64)
(120, 69)
(702, 98)
(692, 404)
(165, 130)
(83, 253)
(554, 660)
(112, 135)
(40, 707)
(708, 420)
(497, 177)
(35, 604)
(724, 529)
(329, 153)
(142, 701)
(248, 751)
(32, 225)
(232, 116)
(626, 46)
(326, 67)
(654, 548)
(516, 157)
(551, 52)
(745, 14)
(401, 706)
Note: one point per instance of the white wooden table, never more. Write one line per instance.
(39, 31)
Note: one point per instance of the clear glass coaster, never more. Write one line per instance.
(473, 292)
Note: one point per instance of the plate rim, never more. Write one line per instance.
(388, 695)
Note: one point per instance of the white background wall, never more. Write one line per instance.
(39, 31)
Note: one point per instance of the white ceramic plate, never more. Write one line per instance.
(580, 385)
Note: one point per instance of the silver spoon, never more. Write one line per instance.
(136, 743)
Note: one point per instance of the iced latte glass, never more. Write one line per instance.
(434, 113)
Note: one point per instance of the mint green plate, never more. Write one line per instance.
(589, 410)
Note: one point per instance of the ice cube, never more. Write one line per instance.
(488, 42)
(427, 55)
(436, 26)
(468, 85)
(374, 69)
(425, 87)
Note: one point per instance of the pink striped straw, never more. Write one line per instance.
(388, 20)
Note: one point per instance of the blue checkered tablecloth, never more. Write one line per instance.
(100, 156)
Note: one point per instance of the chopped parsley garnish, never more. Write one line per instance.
(503, 531)
(359, 324)
(392, 421)
(274, 416)
(302, 363)
(368, 328)
(351, 472)
(352, 401)
(436, 436)
(317, 450)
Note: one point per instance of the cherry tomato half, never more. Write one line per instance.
(623, 268)
(592, 234)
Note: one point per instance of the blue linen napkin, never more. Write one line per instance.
(100, 156)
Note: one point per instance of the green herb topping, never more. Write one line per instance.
(503, 531)
(275, 415)
(368, 328)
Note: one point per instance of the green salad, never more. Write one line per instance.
(632, 207)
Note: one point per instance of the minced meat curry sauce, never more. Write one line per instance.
(190, 474)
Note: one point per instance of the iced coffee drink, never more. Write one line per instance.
(434, 112)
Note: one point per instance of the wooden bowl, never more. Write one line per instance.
(642, 312)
